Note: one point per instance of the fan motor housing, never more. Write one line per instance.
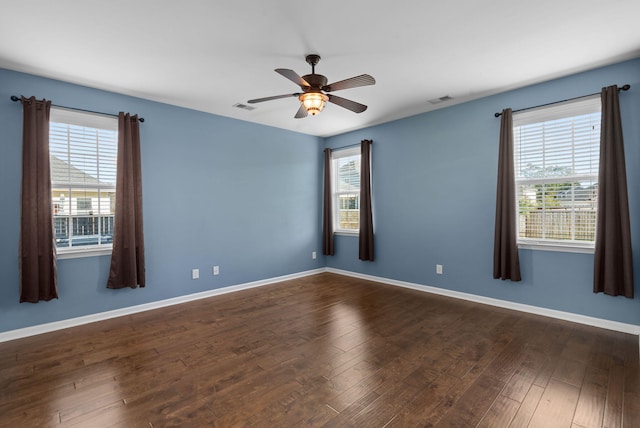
(316, 81)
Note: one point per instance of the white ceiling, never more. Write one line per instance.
(211, 54)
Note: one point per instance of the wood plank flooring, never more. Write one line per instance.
(323, 351)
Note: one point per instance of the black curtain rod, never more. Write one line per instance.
(351, 145)
(16, 99)
(623, 88)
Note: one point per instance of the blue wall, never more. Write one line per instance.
(216, 191)
(246, 197)
(434, 184)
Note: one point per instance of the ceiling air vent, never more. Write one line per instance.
(440, 100)
(244, 106)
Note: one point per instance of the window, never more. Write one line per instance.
(557, 154)
(345, 170)
(83, 149)
(84, 204)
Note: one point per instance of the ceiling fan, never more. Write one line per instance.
(313, 98)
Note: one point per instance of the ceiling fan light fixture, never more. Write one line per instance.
(313, 102)
(313, 98)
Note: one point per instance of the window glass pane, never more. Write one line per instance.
(83, 171)
(556, 167)
(348, 170)
(346, 189)
(349, 211)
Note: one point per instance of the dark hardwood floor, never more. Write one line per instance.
(325, 350)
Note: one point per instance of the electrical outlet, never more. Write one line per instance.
(439, 269)
(313, 255)
(195, 273)
(216, 270)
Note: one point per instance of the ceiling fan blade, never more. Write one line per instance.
(302, 112)
(348, 104)
(353, 82)
(293, 76)
(275, 97)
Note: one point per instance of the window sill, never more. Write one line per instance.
(583, 249)
(77, 253)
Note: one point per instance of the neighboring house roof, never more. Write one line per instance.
(63, 172)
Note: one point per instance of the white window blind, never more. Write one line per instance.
(557, 153)
(83, 149)
(346, 189)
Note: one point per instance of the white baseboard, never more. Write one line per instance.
(72, 322)
(552, 313)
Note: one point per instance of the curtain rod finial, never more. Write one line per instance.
(14, 98)
(498, 114)
(626, 87)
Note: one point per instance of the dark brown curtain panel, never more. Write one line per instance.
(327, 208)
(613, 264)
(37, 256)
(366, 215)
(506, 264)
(127, 258)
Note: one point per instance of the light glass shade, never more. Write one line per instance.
(313, 102)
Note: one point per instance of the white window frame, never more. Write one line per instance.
(87, 120)
(336, 156)
(577, 107)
